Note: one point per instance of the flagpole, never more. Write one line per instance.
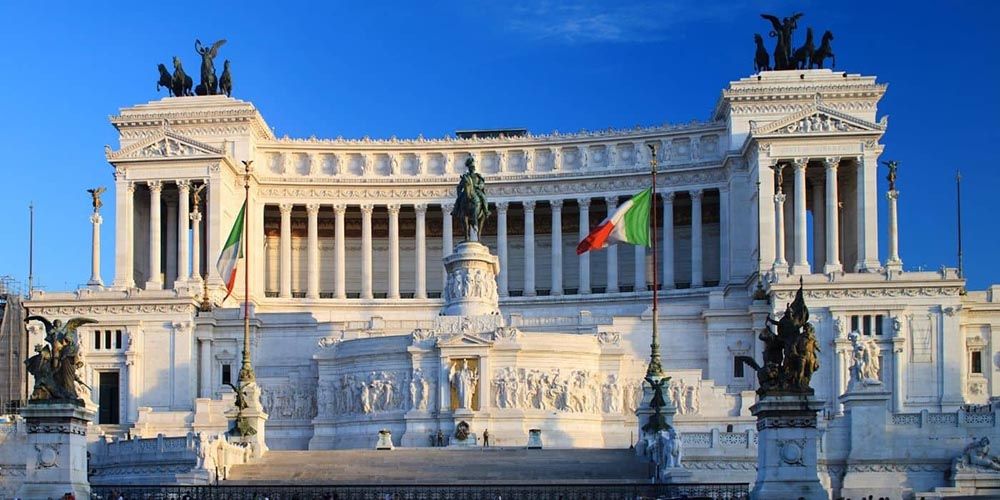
(655, 369)
(246, 370)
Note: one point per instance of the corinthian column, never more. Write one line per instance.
(446, 235)
(196, 247)
(833, 264)
(95, 251)
(584, 259)
(529, 248)
(155, 274)
(393, 251)
(366, 251)
(801, 265)
(780, 266)
(611, 253)
(312, 251)
(557, 281)
(183, 225)
(421, 251)
(502, 278)
(697, 253)
(668, 240)
(285, 254)
(892, 262)
(339, 252)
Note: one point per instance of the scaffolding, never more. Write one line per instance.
(13, 350)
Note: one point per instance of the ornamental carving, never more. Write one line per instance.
(470, 284)
(686, 398)
(292, 400)
(97, 310)
(858, 293)
(797, 422)
(364, 394)
(792, 451)
(579, 391)
(609, 339)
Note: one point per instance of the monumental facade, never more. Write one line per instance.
(347, 239)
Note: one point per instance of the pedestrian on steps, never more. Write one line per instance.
(486, 438)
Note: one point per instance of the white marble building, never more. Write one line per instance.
(347, 238)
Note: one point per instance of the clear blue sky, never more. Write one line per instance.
(384, 69)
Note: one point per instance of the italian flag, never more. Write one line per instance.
(629, 224)
(232, 252)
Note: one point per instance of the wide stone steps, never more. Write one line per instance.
(442, 465)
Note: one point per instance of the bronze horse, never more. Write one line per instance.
(803, 55)
(468, 206)
(182, 83)
(762, 60)
(824, 51)
(165, 80)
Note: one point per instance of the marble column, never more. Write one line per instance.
(639, 281)
(123, 245)
(285, 253)
(801, 264)
(697, 252)
(446, 238)
(668, 241)
(339, 252)
(557, 278)
(502, 278)
(867, 215)
(95, 251)
(312, 251)
(420, 250)
(832, 253)
(214, 239)
(529, 248)
(205, 379)
(611, 252)
(366, 251)
(780, 265)
(818, 206)
(171, 244)
(393, 251)
(893, 263)
(155, 281)
(584, 259)
(724, 232)
(196, 248)
(130, 235)
(183, 226)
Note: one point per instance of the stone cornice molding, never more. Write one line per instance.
(867, 291)
(839, 123)
(166, 144)
(112, 309)
(204, 115)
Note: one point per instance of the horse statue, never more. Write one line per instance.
(226, 80)
(181, 83)
(165, 80)
(783, 32)
(824, 51)
(802, 55)
(209, 84)
(762, 60)
(471, 205)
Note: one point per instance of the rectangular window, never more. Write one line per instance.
(107, 396)
(878, 324)
(227, 376)
(737, 368)
(855, 327)
(97, 340)
(118, 339)
(868, 324)
(107, 339)
(976, 364)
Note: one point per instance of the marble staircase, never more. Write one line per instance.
(443, 466)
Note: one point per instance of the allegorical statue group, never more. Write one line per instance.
(786, 56)
(180, 84)
(54, 366)
(790, 354)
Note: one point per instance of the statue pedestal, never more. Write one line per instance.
(787, 452)
(57, 450)
(471, 289)
(254, 414)
(866, 407)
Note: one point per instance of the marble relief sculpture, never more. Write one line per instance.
(865, 355)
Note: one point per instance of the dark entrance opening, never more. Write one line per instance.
(108, 399)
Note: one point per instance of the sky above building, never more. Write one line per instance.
(385, 69)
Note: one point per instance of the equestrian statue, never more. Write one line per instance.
(179, 84)
(786, 56)
(471, 206)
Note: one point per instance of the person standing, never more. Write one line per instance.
(486, 438)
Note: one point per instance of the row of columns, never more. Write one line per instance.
(180, 221)
(830, 224)
(529, 284)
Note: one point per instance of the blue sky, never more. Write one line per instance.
(384, 68)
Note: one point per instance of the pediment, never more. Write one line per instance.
(463, 340)
(817, 120)
(166, 145)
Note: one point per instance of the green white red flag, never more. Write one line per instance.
(232, 252)
(629, 224)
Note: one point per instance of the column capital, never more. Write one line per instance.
(696, 194)
(420, 209)
(286, 208)
(195, 216)
(583, 202)
(312, 209)
(367, 208)
(611, 200)
(393, 209)
(447, 208)
(668, 196)
(529, 205)
(130, 187)
(183, 185)
(339, 208)
(779, 198)
(95, 218)
(556, 205)
(155, 186)
(502, 206)
(724, 188)
(892, 195)
(799, 163)
(831, 162)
